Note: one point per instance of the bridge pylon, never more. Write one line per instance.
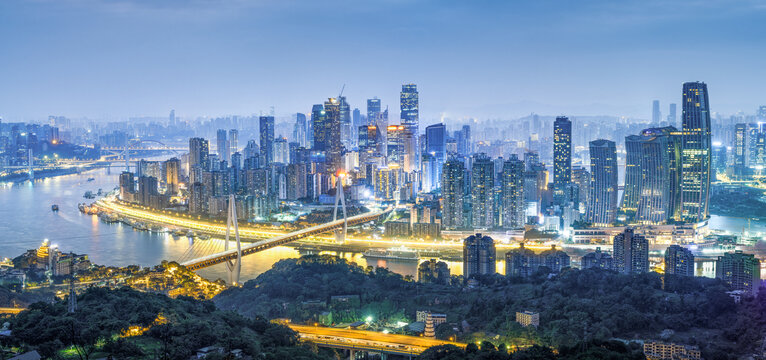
(340, 235)
(31, 164)
(234, 267)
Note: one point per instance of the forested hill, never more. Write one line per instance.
(592, 304)
(128, 324)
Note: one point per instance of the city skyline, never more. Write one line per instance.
(146, 59)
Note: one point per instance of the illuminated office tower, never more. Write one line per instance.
(656, 113)
(512, 188)
(482, 194)
(344, 118)
(429, 171)
(761, 115)
(332, 121)
(453, 194)
(395, 147)
(222, 145)
(436, 141)
(581, 177)
(300, 130)
(741, 271)
(368, 138)
(479, 256)
(630, 252)
(602, 207)
(409, 116)
(373, 111)
(695, 152)
(319, 128)
(562, 159)
(679, 261)
(267, 140)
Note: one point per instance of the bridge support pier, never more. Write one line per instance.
(340, 199)
(234, 267)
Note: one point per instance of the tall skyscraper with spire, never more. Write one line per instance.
(562, 159)
(410, 119)
(695, 152)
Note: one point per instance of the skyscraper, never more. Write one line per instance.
(652, 176)
(672, 115)
(562, 159)
(233, 141)
(198, 153)
(602, 207)
(512, 187)
(318, 127)
(741, 271)
(222, 145)
(172, 175)
(395, 146)
(630, 252)
(373, 109)
(409, 116)
(478, 256)
(740, 147)
(679, 261)
(332, 122)
(482, 186)
(267, 140)
(436, 141)
(300, 130)
(696, 152)
(453, 194)
(656, 113)
(344, 113)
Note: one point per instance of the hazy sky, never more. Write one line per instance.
(498, 59)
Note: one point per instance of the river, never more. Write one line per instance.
(26, 220)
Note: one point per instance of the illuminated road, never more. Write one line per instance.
(368, 340)
(166, 219)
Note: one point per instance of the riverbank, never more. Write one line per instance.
(49, 173)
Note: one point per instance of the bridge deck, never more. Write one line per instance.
(251, 248)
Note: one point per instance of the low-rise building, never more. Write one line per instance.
(655, 350)
(527, 318)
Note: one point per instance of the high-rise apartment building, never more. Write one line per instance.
(479, 256)
(679, 261)
(453, 194)
(630, 252)
(741, 271)
(656, 113)
(696, 152)
(602, 207)
(233, 141)
(482, 192)
(512, 192)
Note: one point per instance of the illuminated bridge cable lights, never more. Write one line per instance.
(226, 255)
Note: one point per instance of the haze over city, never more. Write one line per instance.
(480, 59)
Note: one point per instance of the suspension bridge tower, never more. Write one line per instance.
(340, 199)
(234, 267)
